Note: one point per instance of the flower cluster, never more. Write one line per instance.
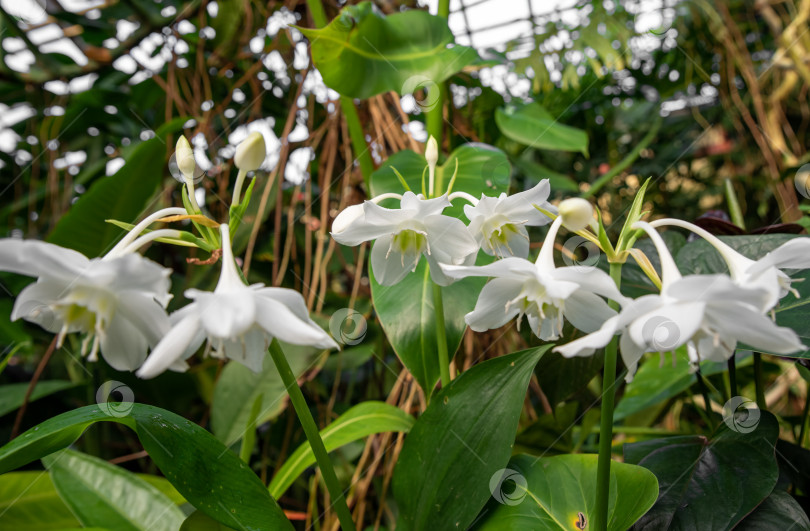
(118, 302)
(708, 314)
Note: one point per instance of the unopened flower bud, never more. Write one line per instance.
(576, 213)
(251, 152)
(432, 152)
(184, 156)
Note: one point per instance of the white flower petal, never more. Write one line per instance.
(521, 206)
(668, 327)
(591, 279)
(145, 314)
(449, 236)
(122, 345)
(794, 254)
(390, 268)
(34, 304)
(748, 326)
(35, 258)
(587, 345)
(278, 320)
(172, 347)
(515, 268)
(631, 355)
(355, 227)
(490, 310)
(586, 311)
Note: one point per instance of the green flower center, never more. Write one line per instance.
(410, 242)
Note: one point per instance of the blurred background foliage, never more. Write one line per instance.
(707, 97)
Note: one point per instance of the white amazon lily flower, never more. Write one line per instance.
(499, 223)
(239, 322)
(708, 313)
(403, 235)
(765, 273)
(118, 301)
(545, 294)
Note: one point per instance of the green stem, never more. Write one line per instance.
(704, 392)
(314, 438)
(441, 335)
(625, 162)
(356, 134)
(732, 374)
(759, 382)
(600, 516)
(734, 205)
(435, 115)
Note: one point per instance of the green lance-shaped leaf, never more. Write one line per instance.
(202, 469)
(559, 493)
(463, 438)
(362, 420)
(108, 496)
(362, 52)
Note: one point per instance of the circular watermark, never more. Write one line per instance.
(174, 169)
(580, 252)
(655, 22)
(429, 88)
(508, 486)
(496, 173)
(115, 399)
(661, 334)
(39, 313)
(802, 181)
(348, 326)
(741, 414)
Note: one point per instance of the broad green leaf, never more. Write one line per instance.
(535, 172)
(700, 257)
(199, 521)
(559, 494)
(709, 483)
(530, 124)
(238, 388)
(122, 196)
(408, 318)
(482, 169)
(29, 502)
(778, 511)
(362, 420)
(12, 395)
(362, 52)
(204, 471)
(464, 437)
(658, 380)
(104, 495)
(561, 377)
(162, 484)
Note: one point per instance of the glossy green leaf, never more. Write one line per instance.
(559, 493)
(29, 502)
(551, 434)
(122, 196)
(362, 52)
(104, 495)
(199, 521)
(204, 471)
(408, 318)
(531, 125)
(709, 483)
(482, 169)
(658, 380)
(700, 257)
(463, 437)
(360, 421)
(779, 511)
(561, 377)
(13, 395)
(239, 387)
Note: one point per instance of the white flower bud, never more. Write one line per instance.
(576, 213)
(432, 152)
(184, 156)
(251, 152)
